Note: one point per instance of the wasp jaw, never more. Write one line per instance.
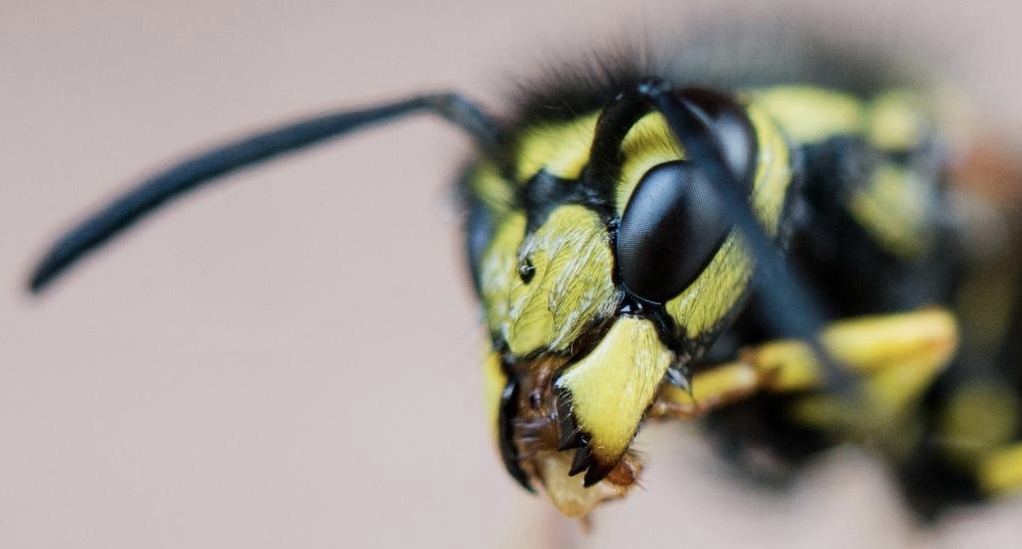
(570, 494)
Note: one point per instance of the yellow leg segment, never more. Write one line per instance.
(897, 356)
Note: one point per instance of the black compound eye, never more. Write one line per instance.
(669, 231)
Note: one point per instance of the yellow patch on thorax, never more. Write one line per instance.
(892, 208)
(811, 115)
(898, 120)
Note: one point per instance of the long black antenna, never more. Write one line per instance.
(208, 166)
(785, 298)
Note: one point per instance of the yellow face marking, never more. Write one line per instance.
(717, 290)
(493, 190)
(810, 115)
(613, 386)
(701, 306)
(648, 143)
(570, 287)
(498, 270)
(561, 148)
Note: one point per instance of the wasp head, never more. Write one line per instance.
(605, 264)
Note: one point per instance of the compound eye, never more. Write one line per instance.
(671, 227)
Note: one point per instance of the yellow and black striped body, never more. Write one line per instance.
(596, 314)
(632, 234)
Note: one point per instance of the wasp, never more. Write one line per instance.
(772, 250)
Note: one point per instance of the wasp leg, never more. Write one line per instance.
(893, 359)
(709, 390)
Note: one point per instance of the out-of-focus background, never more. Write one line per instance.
(290, 359)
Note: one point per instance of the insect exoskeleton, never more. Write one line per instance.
(606, 263)
(772, 249)
(626, 245)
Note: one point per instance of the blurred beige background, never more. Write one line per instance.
(290, 359)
